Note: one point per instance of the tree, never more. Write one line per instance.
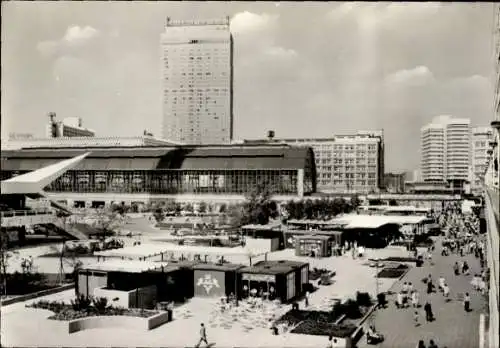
(189, 207)
(159, 215)
(4, 259)
(355, 202)
(202, 208)
(223, 208)
(258, 206)
(393, 202)
(109, 221)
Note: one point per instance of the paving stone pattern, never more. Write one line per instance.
(453, 327)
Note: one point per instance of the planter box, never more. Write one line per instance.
(144, 324)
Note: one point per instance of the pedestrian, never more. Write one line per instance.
(421, 344)
(465, 268)
(428, 312)
(432, 344)
(456, 268)
(429, 287)
(410, 287)
(446, 292)
(306, 299)
(416, 318)
(414, 299)
(203, 335)
(442, 281)
(467, 302)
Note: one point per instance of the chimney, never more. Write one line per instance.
(270, 135)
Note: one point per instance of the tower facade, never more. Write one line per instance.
(197, 81)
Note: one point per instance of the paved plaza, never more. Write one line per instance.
(29, 327)
(453, 327)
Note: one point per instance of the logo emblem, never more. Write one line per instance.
(207, 282)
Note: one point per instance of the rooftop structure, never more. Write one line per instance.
(128, 266)
(78, 141)
(68, 127)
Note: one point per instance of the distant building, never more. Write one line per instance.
(197, 81)
(446, 150)
(68, 127)
(481, 137)
(345, 163)
(78, 142)
(394, 183)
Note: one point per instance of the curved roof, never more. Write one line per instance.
(223, 157)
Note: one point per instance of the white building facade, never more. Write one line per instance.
(446, 150)
(346, 163)
(481, 137)
(197, 81)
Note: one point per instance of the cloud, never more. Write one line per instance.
(247, 22)
(74, 36)
(280, 52)
(416, 76)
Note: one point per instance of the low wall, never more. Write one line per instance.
(144, 324)
(33, 295)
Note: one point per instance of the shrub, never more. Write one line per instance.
(363, 299)
(100, 304)
(381, 299)
(351, 309)
(81, 303)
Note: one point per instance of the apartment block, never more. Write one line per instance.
(446, 150)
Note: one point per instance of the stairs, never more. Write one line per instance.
(77, 231)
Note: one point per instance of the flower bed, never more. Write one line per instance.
(316, 273)
(64, 311)
(293, 317)
(391, 273)
(310, 327)
(399, 259)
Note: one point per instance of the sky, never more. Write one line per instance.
(301, 69)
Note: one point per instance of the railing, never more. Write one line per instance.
(30, 212)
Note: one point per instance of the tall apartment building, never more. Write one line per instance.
(445, 150)
(197, 81)
(68, 127)
(346, 163)
(481, 137)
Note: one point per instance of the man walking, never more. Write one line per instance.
(203, 335)
(467, 302)
(428, 312)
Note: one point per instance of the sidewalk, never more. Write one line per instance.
(453, 327)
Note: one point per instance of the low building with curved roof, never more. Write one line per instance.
(192, 173)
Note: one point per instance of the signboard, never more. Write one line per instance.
(209, 283)
(258, 277)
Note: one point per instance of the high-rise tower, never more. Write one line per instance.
(197, 80)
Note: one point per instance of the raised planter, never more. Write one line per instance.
(144, 324)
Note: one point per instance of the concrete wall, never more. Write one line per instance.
(116, 298)
(259, 245)
(144, 297)
(118, 321)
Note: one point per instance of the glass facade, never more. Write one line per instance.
(173, 181)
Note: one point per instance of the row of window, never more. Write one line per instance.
(174, 181)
